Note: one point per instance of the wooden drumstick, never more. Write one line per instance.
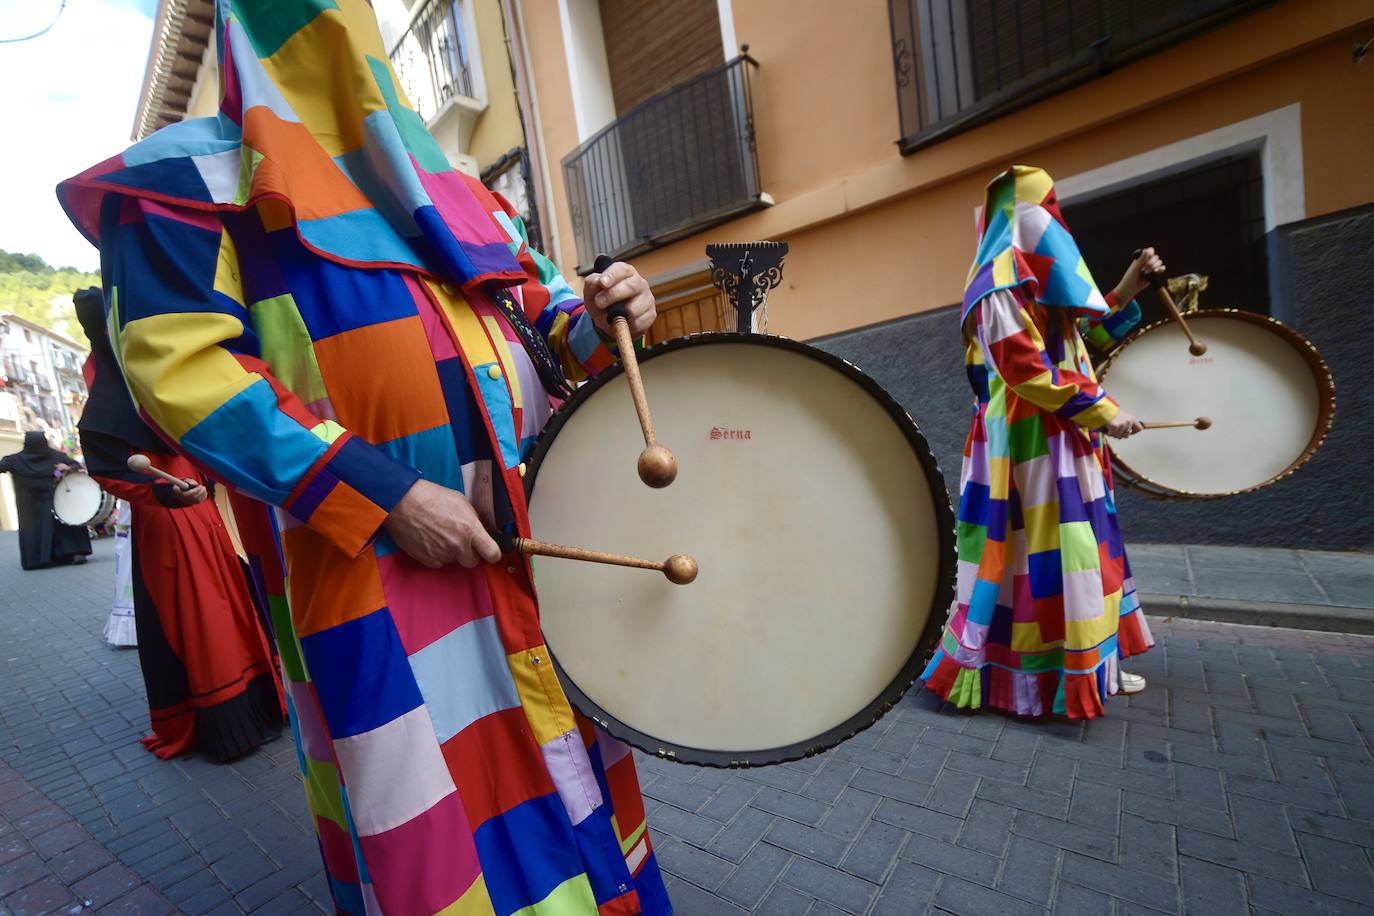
(657, 464)
(142, 465)
(1199, 423)
(679, 569)
(1195, 346)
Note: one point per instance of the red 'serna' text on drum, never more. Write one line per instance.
(718, 432)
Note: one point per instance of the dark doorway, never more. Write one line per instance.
(1208, 220)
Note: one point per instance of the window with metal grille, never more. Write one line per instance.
(961, 63)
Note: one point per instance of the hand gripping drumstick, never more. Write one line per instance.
(679, 569)
(1195, 346)
(1199, 423)
(657, 465)
(142, 465)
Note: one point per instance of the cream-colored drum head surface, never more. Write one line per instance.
(76, 499)
(1263, 396)
(822, 552)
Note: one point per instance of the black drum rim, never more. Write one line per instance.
(1326, 404)
(945, 576)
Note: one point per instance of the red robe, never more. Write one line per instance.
(207, 663)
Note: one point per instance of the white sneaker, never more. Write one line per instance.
(1131, 683)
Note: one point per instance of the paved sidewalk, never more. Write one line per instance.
(1241, 781)
(1304, 589)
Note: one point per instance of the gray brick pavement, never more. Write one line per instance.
(1241, 781)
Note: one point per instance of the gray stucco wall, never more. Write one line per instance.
(1325, 279)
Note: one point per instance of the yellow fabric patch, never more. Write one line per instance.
(1082, 634)
(571, 898)
(287, 346)
(1032, 185)
(629, 842)
(334, 42)
(472, 338)
(999, 476)
(1042, 527)
(1025, 637)
(227, 279)
(503, 354)
(474, 902)
(328, 430)
(1004, 268)
(177, 369)
(542, 697)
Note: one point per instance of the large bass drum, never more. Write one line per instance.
(821, 525)
(78, 500)
(1265, 388)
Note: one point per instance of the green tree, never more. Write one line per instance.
(34, 290)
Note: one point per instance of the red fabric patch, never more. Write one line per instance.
(496, 765)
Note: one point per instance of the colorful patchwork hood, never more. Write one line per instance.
(1023, 241)
(311, 115)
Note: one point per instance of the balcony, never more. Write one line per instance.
(431, 59)
(962, 63)
(673, 165)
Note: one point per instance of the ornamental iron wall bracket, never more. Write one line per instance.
(746, 272)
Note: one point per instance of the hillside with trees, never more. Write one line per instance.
(35, 290)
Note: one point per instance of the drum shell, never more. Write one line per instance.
(1199, 321)
(944, 563)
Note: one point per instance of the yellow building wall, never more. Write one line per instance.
(497, 130)
(875, 235)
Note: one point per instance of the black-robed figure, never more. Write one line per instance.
(43, 540)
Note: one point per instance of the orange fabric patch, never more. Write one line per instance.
(327, 587)
(383, 405)
(314, 184)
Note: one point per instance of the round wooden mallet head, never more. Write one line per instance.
(680, 569)
(139, 463)
(657, 466)
(1203, 423)
(1197, 348)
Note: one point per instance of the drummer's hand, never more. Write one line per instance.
(436, 526)
(189, 496)
(1137, 276)
(620, 283)
(1123, 425)
(62, 468)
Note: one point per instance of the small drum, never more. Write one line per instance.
(1268, 393)
(78, 500)
(821, 525)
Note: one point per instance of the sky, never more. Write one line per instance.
(68, 102)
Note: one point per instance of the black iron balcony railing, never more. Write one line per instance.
(431, 59)
(961, 63)
(673, 165)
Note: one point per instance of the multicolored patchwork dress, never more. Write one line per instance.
(317, 309)
(1046, 605)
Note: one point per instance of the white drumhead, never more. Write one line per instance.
(819, 543)
(77, 499)
(1263, 398)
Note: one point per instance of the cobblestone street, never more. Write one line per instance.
(1240, 781)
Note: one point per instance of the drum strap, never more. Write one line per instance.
(545, 363)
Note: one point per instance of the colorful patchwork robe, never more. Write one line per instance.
(1046, 603)
(304, 298)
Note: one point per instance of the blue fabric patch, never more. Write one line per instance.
(463, 676)
(653, 895)
(177, 178)
(332, 298)
(601, 855)
(361, 236)
(973, 502)
(284, 451)
(1071, 507)
(496, 397)
(1046, 574)
(469, 432)
(181, 139)
(361, 674)
(982, 604)
(526, 852)
(431, 452)
(372, 472)
(165, 266)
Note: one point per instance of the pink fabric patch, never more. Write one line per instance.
(1023, 602)
(426, 863)
(201, 219)
(337, 849)
(1028, 701)
(613, 750)
(429, 603)
(460, 208)
(314, 738)
(440, 343)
